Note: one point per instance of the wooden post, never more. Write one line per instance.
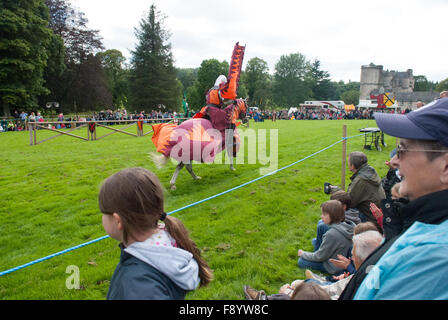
(344, 155)
(35, 133)
(139, 128)
(94, 130)
(30, 129)
(91, 125)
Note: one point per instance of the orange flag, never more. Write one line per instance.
(229, 90)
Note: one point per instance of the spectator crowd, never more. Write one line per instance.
(18, 123)
(383, 238)
(319, 114)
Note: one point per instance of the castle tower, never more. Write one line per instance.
(371, 79)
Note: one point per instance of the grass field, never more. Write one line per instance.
(48, 203)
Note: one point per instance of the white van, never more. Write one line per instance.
(253, 109)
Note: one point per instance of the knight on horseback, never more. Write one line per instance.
(210, 131)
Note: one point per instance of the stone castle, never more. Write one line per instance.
(375, 80)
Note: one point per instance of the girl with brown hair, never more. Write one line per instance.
(158, 259)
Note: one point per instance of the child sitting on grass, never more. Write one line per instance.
(158, 259)
(337, 240)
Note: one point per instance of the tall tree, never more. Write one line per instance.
(319, 81)
(442, 85)
(80, 46)
(340, 87)
(153, 76)
(350, 97)
(24, 40)
(54, 70)
(89, 90)
(290, 87)
(113, 63)
(421, 83)
(208, 72)
(256, 79)
(71, 26)
(187, 76)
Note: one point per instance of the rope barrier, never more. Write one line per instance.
(177, 210)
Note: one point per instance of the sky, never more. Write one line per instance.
(343, 35)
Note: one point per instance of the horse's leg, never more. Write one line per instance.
(176, 173)
(189, 167)
(229, 146)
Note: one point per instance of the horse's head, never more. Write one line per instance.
(239, 110)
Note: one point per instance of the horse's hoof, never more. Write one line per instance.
(232, 168)
(173, 187)
(197, 178)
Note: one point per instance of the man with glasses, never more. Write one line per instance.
(414, 264)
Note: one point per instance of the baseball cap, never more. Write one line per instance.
(430, 122)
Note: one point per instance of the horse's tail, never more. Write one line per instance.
(159, 159)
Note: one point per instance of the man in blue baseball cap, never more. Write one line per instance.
(413, 264)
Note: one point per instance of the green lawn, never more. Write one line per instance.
(48, 203)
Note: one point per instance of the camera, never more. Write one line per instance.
(329, 188)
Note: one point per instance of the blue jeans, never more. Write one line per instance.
(321, 229)
(306, 264)
(325, 283)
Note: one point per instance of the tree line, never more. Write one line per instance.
(48, 54)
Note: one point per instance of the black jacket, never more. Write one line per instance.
(430, 209)
(389, 181)
(393, 219)
(365, 187)
(134, 279)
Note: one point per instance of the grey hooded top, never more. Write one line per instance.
(337, 240)
(148, 272)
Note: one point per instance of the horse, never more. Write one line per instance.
(200, 138)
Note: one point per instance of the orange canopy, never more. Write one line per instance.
(349, 107)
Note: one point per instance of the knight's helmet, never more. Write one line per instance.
(213, 96)
(222, 79)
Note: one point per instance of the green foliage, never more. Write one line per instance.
(421, 83)
(339, 88)
(117, 76)
(290, 87)
(24, 39)
(153, 76)
(55, 67)
(248, 236)
(187, 76)
(207, 74)
(89, 89)
(257, 80)
(442, 85)
(319, 80)
(80, 84)
(350, 97)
